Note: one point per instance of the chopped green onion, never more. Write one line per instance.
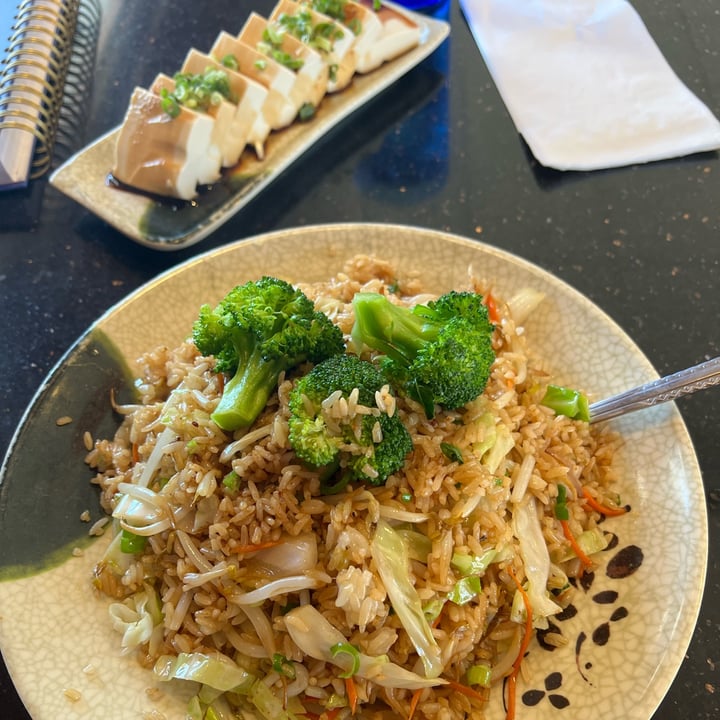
(376, 5)
(260, 64)
(432, 609)
(283, 666)
(561, 509)
(452, 452)
(197, 91)
(231, 481)
(273, 34)
(465, 590)
(169, 103)
(345, 648)
(131, 544)
(479, 675)
(566, 401)
(230, 62)
(406, 497)
(306, 112)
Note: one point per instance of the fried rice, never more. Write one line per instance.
(226, 560)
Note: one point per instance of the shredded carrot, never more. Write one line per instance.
(436, 621)
(491, 305)
(527, 636)
(351, 690)
(242, 549)
(414, 703)
(468, 691)
(602, 509)
(135, 453)
(584, 559)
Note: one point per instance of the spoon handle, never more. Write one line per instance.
(671, 387)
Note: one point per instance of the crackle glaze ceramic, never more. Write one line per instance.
(632, 619)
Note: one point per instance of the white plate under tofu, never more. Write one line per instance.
(165, 155)
(311, 78)
(279, 108)
(229, 145)
(249, 97)
(339, 56)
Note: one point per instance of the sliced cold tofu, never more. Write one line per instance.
(248, 96)
(399, 34)
(311, 72)
(362, 22)
(162, 154)
(332, 40)
(279, 109)
(228, 144)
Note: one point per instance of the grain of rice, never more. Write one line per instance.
(64, 420)
(98, 527)
(72, 695)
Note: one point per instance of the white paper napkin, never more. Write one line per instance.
(586, 85)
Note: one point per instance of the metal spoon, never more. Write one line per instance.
(671, 387)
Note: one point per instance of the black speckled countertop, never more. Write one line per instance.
(437, 149)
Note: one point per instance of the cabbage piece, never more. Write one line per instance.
(136, 618)
(114, 558)
(316, 637)
(523, 303)
(590, 541)
(468, 564)
(267, 704)
(535, 556)
(391, 557)
(381, 671)
(292, 556)
(497, 452)
(281, 586)
(217, 670)
(419, 545)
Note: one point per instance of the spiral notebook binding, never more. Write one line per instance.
(32, 74)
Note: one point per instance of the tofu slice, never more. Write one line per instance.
(341, 57)
(311, 79)
(229, 145)
(399, 34)
(361, 21)
(165, 155)
(279, 109)
(250, 123)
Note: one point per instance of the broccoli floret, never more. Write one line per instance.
(439, 353)
(257, 331)
(363, 446)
